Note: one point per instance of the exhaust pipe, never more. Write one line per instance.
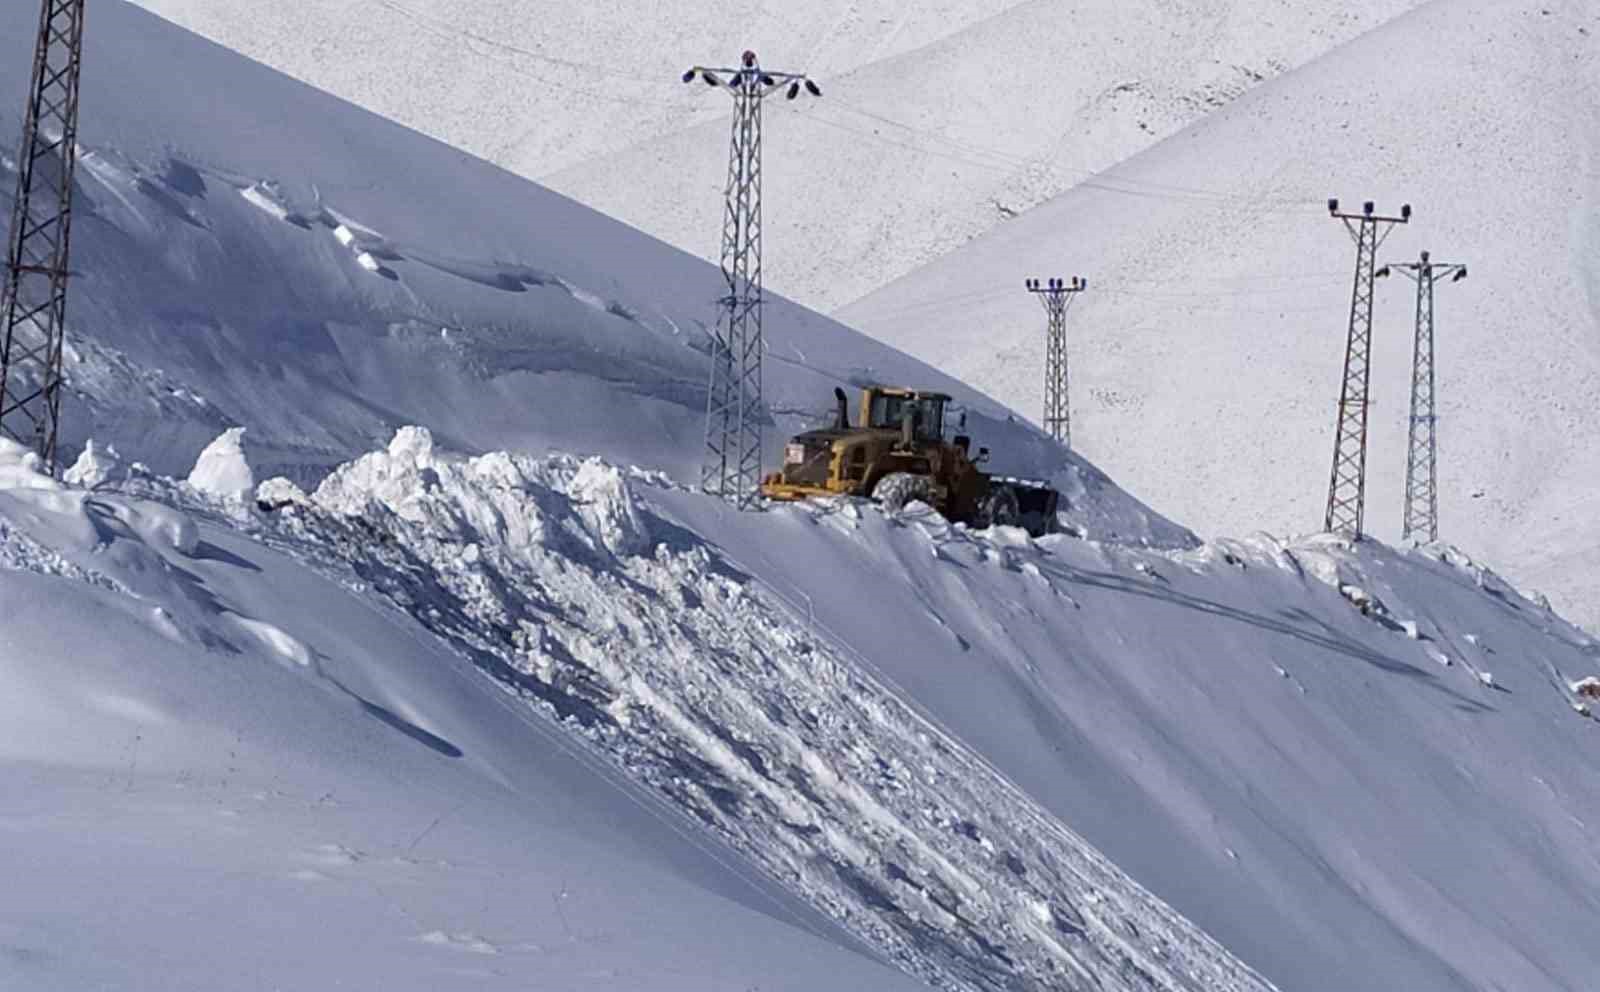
(842, 420)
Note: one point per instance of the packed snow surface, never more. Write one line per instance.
(224, 768)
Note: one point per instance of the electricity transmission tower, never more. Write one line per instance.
(732, 469)
(1422, 451)
(1347, 486)
(1057, 295)
(35, 295)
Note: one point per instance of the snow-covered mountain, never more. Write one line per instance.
(442, 716)
(1206, 355)
(1197, 217)
(939, 120)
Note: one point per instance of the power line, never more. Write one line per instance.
(1022, 162)
(450, 31)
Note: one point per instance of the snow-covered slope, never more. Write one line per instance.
(1357, 769)
(1206, 354)
(940, 120)
(255, 253)
(222, 769)
(790, 737)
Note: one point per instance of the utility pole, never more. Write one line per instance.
(1347, 486)
(33, 311)
(1057, 295)
(732, 469)
(1422, 450)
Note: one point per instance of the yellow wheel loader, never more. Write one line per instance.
(896, 453)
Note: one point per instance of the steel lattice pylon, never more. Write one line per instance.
(35, 294)
(734, 408)
(1347, 486)
(1056, 295)
(1422, 448)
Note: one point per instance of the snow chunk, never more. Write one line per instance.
(606, 503)
(275, 640)
(398, 477)
(412, 444)
(97, 464)
(221, 469)
(1588, 687)
(279, 492)
(22, 468)
(159, 525)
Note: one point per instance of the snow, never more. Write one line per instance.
(96, 463)
(222, 469)
(1177, 154)
(939, 121)
(475, 689)
(215, 753)
(202, 309)
(1207, 351)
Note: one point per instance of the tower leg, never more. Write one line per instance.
(33, 307)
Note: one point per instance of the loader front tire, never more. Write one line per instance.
(895, 491)
(1000, 508)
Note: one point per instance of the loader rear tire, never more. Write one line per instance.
(895, 491)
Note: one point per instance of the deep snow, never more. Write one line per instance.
(1206, 354)
(220, 769)
(254, 253)
(769, 742)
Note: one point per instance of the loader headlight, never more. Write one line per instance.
(794, 454)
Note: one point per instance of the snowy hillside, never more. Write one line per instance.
(223, 770)
(939, 121)
(1354, 769)
(482, 695)
(1206, 354)
(255, 253)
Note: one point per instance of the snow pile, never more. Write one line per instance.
(96, 464)
(270, 748)
(222, 470)
(503, 500)
(673, 662)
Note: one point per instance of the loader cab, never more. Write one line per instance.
(886, 409)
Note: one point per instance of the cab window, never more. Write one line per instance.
(927, 415)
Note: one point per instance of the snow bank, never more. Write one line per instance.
(505, 500)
